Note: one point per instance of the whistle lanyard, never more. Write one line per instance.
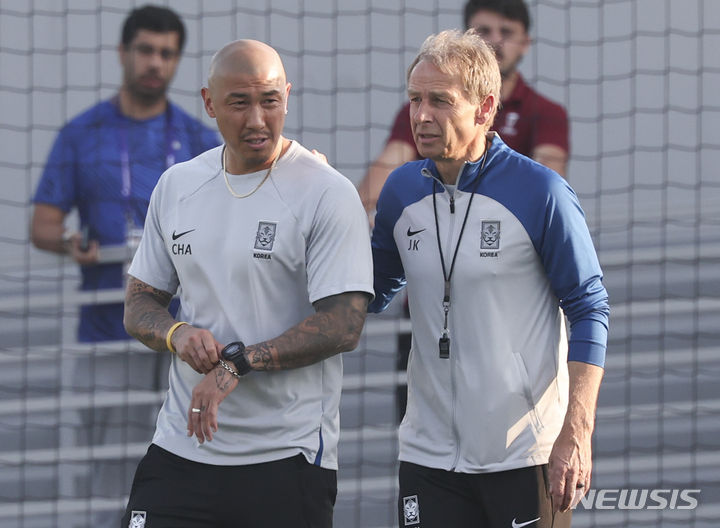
(125, 171)
(444, 341)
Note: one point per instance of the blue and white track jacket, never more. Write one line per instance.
(526, 256)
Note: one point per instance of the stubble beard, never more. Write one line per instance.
(146, 96)
(509, 69)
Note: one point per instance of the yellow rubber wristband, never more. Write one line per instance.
(170, 333)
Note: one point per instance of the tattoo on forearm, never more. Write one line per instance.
(334, 328)
(260, 356)
(146, 315)
(222, 379)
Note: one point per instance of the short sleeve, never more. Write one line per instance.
(57, 184)
(552, 127)
(338, 248)
(152, 263)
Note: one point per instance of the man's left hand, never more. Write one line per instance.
(205, 400)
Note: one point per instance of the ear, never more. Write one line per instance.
(287, 96)
(526, 42)
(207, 102)
(484, 111)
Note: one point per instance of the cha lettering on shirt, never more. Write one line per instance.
(181, 248)
(264, 240)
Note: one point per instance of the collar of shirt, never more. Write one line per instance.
(518, 94)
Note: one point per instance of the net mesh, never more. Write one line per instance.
(639, 79)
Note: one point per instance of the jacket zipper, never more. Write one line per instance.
(453, 388)
(453, 384)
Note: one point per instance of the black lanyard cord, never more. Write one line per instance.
(444, 343)
(447, 276)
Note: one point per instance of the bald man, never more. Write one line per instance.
(268, 248)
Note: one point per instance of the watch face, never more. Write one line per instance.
(232, 349)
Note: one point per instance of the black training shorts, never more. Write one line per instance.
(435, 498)
(169, 491)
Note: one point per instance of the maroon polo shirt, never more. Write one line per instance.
(525, 120)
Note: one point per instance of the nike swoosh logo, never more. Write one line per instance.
(516, 524)
(410, 232)
(175, 237)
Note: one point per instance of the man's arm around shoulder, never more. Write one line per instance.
(394, 154)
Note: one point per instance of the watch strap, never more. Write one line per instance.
(237, 357)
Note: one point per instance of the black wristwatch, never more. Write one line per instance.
(235, 352)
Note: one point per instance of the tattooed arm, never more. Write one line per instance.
(146, 317)
(147, 320)
(334, 327)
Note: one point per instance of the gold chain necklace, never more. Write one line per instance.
(227, 182)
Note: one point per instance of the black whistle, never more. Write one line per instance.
(444, 346)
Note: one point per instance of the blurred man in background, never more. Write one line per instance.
(105, 163)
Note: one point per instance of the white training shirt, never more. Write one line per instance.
(248, 269)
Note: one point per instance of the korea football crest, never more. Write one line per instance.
(490, 238)
(265, 237)
(490, 235)
(137, 519)
(411, 510)
(265, 240)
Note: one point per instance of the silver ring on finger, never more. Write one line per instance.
(195, 410)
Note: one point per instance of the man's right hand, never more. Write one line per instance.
(197, 347)
(86, 257)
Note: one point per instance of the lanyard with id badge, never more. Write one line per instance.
(133, 225)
